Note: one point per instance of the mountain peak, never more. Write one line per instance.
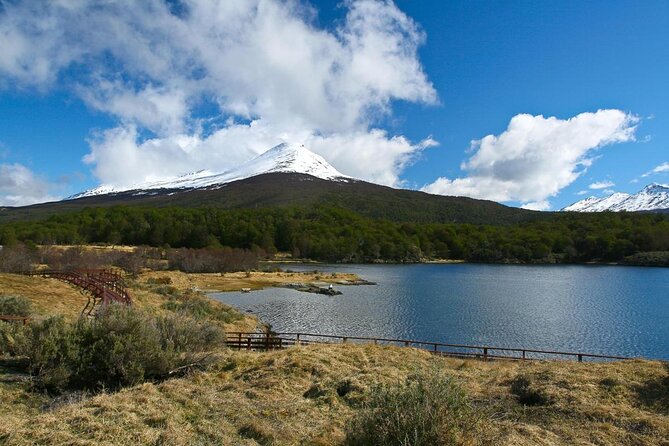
(652, 197)
(282, 158)
(656, 187)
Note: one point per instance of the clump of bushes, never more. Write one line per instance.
(428, 409)
(17, 258)
(163, 280)
(122, 346)
(201, 308)
(213, 260)
(13, 339)
(15, 306)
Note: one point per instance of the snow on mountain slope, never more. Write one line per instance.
(289, 158)
(652, 197)
(594, 204)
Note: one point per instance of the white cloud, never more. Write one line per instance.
(536, 157)
(609, 191)
(20, 187)
(537, 206)
(582, 192)
(120, 159)
(264, 62)
(662, 168)
(601, 185)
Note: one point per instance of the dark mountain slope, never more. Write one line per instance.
(300, 190)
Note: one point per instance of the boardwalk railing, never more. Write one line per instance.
(102, 285)
(23, 319)
(277, 341)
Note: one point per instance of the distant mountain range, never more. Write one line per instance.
(654, 197)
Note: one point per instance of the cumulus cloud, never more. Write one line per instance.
(662, 168)
(601, 185)
(262, 70)
(536, 157)
(19, 186)
(543, 205)
(354, 153)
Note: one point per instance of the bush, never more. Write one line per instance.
(429, 409)
(202, 308)
(164, 280)
(53, 350)
(120, 347)
(212, 260)
(17, 259)
(13, 339)
(15, 306)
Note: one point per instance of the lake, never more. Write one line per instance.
(596, 309)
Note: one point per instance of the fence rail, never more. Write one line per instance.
(23, 319)
(277, 341)
(102, 285)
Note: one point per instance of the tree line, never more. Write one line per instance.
(339, 235)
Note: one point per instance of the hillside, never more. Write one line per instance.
(293, 189)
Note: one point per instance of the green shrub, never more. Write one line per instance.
(120, 347)
(428, 409)
(163, 280)
(14, 339)
(53, 350)
(14, 306)
(200, 308)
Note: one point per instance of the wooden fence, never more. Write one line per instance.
(277, 341)
(102, 286)
(23, 319)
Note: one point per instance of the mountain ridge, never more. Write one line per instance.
(653, 197)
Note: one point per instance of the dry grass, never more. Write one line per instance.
(54, 297)
(253, 279)
(47, 296)
(306, 395)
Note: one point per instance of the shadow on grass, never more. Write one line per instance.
(654, 394)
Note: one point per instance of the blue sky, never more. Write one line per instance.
(392, 93)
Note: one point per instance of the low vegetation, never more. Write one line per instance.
(330, 394)
(337, 234)
(121, 346)
(15, 306)
(428, 409)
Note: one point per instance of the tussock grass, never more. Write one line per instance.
(308, 395)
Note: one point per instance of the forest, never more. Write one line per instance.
(335, 234)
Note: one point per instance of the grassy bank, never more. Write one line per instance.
(307, 395)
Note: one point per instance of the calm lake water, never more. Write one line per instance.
(594, 309)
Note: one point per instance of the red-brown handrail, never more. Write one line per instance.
(103, 285)
(272, 341)
(22, 319)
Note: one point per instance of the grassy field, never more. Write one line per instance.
(307, 395)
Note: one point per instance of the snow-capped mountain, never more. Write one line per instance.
(650, 198)
(287, 158)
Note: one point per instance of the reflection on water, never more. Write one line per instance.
(597, 309)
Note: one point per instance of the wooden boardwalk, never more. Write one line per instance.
(102, 286)
(277, 341)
